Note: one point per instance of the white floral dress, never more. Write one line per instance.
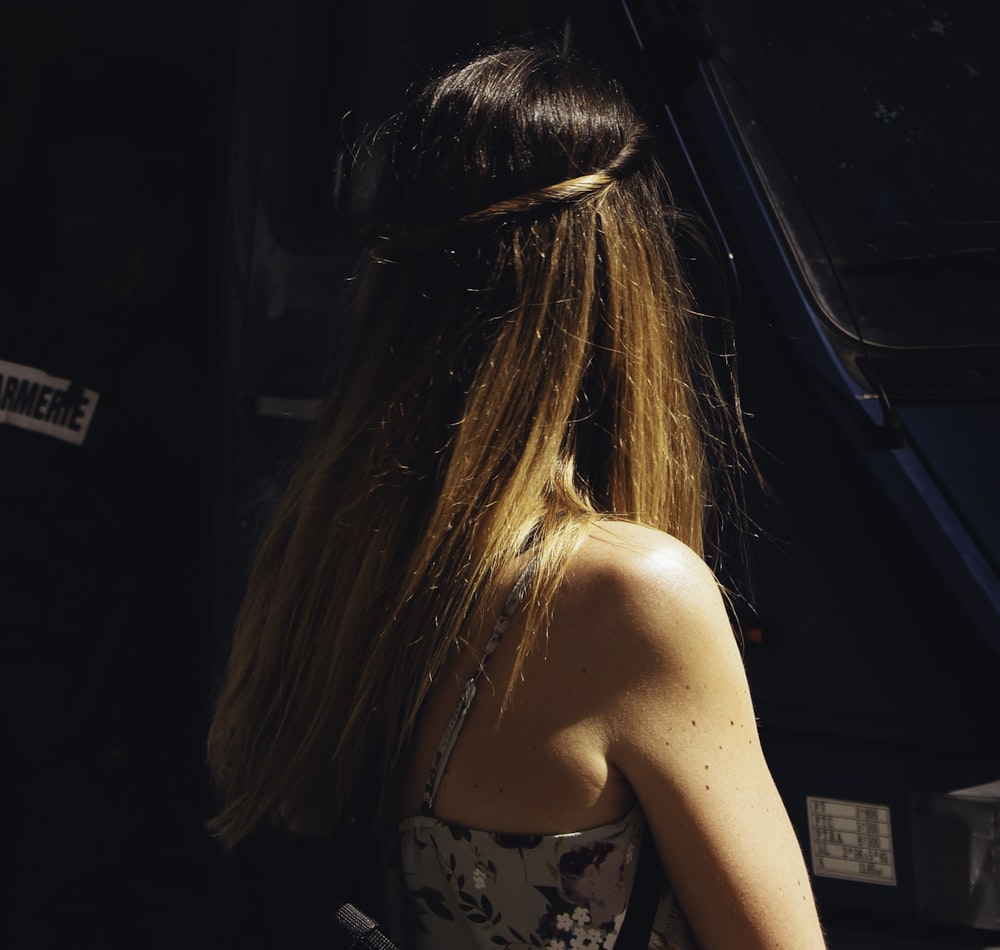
(458, 888)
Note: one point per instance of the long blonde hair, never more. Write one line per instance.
(526, 363)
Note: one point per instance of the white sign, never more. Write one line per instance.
(851, 840)
(31, 399)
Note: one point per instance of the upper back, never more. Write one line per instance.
(544, 766)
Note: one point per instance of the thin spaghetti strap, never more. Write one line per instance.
(457, 720)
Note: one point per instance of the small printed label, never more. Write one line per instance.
(851, 840)
(31, 399)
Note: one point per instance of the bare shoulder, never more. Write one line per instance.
(628, 541)
(677, 722)
(641, 559)
(633, 582)
(647, 612)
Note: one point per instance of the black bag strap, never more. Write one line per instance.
(645, 897)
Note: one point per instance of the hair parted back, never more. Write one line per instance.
(526, 364)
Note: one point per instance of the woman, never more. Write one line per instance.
(486, 571)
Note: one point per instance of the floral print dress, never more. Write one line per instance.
(457, 888)
(466, 888)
